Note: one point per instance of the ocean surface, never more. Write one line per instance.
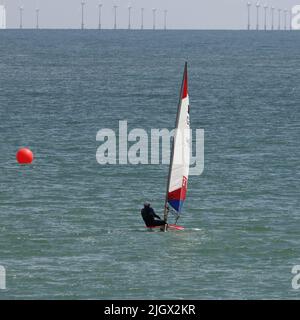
(71, 228)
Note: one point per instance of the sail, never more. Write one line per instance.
(180, 160)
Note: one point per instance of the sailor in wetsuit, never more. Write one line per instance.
(149, 216)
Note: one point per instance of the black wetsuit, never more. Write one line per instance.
(149, 216)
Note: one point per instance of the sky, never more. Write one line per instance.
(185, 14)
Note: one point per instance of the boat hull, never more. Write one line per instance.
(173, 227)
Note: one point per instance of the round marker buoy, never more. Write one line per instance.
(24, 156)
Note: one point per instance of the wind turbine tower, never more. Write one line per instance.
(82, 14)
(165, 19)
(37, 10)
(142, 18)
(154, 18)
(249, 8)
(115, 21)
(265, 8)
(285, 19)
(272, 17)
(21, 16)
(129, 17)
(3, 16)
(257, 15)
(100, 11)
(279, 19)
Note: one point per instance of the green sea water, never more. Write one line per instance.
(71, 228)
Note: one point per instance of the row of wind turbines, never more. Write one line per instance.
(115, 7)
(100, 6)
(286, 12)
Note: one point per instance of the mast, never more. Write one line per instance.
(166, 212)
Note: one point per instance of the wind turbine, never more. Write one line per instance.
(37, 10)
(279, 19)
(154, 18)
(100, 11)
(165, 19)
(129, 17)
(272, 17)
(248, 7)
(257, 15)
(3, 18)
(285, 19)
(265, 8)
(82, 14)
(115, 11)
(142, 18)
(21, 16)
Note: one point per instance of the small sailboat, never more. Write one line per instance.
(180, 157)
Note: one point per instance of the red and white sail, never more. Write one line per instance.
(180, 161)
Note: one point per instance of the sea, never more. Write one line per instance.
(70, 228)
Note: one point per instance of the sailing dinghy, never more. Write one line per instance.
(180, 159)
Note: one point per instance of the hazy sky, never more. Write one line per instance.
(185, 14)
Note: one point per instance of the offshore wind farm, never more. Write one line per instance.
(103, 10)
(264, 17)
(139, 15)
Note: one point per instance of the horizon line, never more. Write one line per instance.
(133, 30)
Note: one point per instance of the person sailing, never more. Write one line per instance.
(150, 218)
